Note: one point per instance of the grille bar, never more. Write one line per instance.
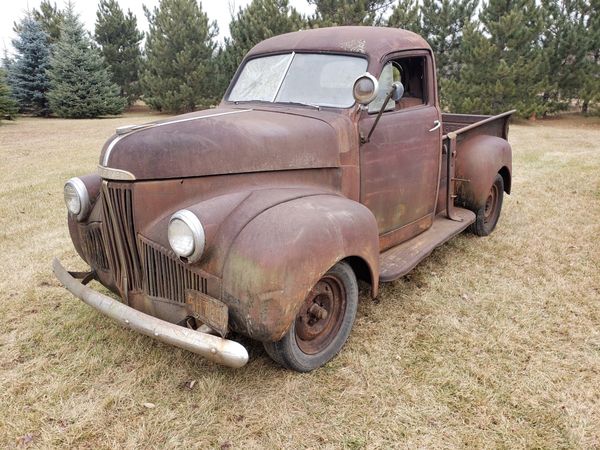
(93, 247)
(166, 277)
(120, 232)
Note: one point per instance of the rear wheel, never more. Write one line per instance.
(323, 323)
(487, 216)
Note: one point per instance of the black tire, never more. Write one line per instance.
(312, 339)
(487, 216)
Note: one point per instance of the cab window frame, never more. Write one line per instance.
(428, 81)
(225, 99)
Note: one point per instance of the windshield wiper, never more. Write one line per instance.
(312, 105)
(302, 104)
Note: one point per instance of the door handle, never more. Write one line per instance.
(436, 125)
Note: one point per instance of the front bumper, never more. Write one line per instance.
(214, 348)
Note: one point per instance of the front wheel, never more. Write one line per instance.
(323, 323)
(487, 216)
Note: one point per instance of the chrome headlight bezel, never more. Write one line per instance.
(197, 230)
(367, 98)
(84, 198)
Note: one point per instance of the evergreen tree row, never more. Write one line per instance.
(538, 56)
(80, 84)
(57, 69)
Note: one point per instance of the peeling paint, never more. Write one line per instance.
(354, 46)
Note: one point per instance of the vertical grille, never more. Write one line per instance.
(120, 234)
(165, 277)
(93, 247)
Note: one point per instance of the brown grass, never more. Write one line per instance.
(491, 342)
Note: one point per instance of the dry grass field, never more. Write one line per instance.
(491, 342)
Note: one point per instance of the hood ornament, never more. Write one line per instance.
(128, 128)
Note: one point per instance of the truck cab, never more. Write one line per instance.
(328, 161)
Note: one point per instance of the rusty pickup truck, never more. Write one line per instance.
(328, 161)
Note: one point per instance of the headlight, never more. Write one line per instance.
(186, 235)
(77, 198)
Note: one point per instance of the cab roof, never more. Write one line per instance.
(375, 42)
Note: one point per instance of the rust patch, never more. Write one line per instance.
(354, 46)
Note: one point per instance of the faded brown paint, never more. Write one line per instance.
(284, 192)
(198, 144)
(373, 42)
(271, 269)
(482, 152)
(399, 167)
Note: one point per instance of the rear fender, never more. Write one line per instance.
(281, 254)
(479, 159)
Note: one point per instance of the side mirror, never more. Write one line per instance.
(365, 89)
(397, 91)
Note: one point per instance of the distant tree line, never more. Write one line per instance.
(58, 69)
(538, 56)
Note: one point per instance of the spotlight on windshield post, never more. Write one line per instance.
(365, 89)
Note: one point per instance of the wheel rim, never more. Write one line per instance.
(321, 315)
(490, 204)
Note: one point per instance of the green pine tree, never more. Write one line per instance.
(589, 92)
(27, 77)
(119, 41)
(348, 12)
(8, 106)
(260, 20)
(503, 63)
(50, 19)
(6, 60)
(177, 75)
(443, 24)
(80, 83)
(566, 45)
(406, 14)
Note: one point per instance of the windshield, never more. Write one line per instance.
(312, 79)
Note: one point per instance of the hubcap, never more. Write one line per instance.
(321, 315)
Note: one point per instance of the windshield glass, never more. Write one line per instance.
(312, 79)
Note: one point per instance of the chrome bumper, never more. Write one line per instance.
(214, 348)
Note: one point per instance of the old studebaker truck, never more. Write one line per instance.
(328, 160)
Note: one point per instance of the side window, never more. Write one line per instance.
(411, 72)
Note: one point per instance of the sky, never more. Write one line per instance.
(219, 10)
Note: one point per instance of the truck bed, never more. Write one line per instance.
(467, 124)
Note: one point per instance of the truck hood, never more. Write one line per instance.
(230, 140)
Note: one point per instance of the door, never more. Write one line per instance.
(400, 163)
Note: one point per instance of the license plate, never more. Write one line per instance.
(208, 310)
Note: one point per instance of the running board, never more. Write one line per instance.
(399, 260)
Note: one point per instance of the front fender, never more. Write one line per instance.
(281, 253)
(479, 159)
